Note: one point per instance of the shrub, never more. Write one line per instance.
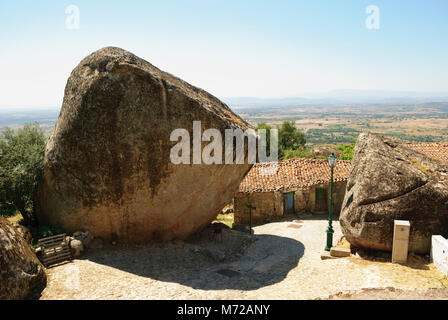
(297, 153)
(8, 210)
(290, 140)
(21, 168)
(347, 151)
(38, 232)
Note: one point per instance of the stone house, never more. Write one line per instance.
(299, 185)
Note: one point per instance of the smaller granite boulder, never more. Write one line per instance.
(21, 273)
(84, 236)
(77, 234)
(76, 248)
(388, 182)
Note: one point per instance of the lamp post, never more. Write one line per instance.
(250, 206)
(332, 162)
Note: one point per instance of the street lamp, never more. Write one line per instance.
(250, 207)
(332, 162)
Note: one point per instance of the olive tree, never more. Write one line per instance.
(21, 168)
(264, 126)
(290, 138)
(291, 141)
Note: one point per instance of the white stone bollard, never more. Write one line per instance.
(439, 253)
(400, 241)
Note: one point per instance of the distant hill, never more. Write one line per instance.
(16, 117)
(342, 97)
(9, 116)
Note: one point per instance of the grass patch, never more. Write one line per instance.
(17, 218)
(227, 219)
(10, 212)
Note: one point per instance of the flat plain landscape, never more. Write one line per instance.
(323, 124)
(338, 124)
(15, 118)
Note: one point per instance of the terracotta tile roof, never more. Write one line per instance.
(292, 174)
(435, 150)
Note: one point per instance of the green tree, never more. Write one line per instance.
(347, 151)
(291, 141)
(265, 126)
(289, 138)
(21, 168)
(297, 153)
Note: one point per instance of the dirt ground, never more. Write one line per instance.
(280, 261)
(393, 294)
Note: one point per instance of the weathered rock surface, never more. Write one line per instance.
(76, 247)
(21, 273)
(389, 181)
(84, 236)
(108, 165)
(324, 150)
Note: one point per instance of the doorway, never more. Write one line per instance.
(321, 203)
(288, 203)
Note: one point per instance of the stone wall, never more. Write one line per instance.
(269, 205)
(302, 199)
(338, 197)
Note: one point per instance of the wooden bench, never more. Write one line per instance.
(55, 249)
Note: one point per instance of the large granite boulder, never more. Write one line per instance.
(107, 162)
(21, 273)
(389, 181)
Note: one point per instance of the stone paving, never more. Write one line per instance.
(280, 261)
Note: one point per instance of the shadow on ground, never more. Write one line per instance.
(213, 260)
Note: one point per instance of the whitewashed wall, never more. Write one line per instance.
(439, 253)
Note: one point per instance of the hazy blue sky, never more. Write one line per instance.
(230, 48)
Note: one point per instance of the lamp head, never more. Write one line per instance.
(332, 160)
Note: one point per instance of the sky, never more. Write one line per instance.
(245, 48)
